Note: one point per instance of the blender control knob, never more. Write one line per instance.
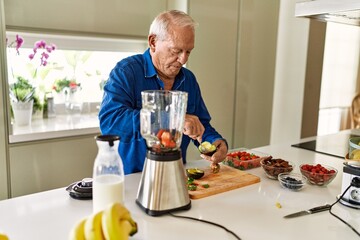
(355, 182)
(86, 182)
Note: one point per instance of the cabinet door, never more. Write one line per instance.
(52, 164)
(124, 17)
(213, 60)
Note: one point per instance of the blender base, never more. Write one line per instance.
(162, 187)
(162, 212)
(347, 203)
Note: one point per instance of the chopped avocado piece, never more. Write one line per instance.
(190, 180)
(192, 187)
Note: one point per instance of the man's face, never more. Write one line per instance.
(171, 54)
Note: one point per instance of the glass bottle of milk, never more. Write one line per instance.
(108, 173)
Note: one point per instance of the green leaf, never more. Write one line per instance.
(22, 90)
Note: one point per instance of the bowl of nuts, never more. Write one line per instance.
(292, 181)
(274, 166)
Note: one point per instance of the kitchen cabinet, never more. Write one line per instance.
(217, 77)
(48, 164)
(113, 17)
(234, 61)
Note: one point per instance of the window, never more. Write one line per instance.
(73, 78)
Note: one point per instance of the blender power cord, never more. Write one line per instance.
(353, 182)
(205, 221)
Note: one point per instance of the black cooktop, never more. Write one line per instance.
(334, 144)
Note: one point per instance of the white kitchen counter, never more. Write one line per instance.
(249, 211)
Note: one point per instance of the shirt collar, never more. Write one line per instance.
(149, 68)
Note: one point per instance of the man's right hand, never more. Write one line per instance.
(193, 127)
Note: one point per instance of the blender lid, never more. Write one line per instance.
(81, 190)
(108, 138)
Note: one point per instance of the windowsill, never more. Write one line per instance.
(59, 126)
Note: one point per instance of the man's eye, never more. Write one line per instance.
(174, 51)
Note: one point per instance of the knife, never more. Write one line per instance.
(310, 211)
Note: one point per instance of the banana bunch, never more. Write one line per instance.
(114, 223)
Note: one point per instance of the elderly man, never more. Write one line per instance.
(171, 40)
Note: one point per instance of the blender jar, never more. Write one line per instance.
(162, 119)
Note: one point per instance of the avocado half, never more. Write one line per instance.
(207, 148)
(194, 173)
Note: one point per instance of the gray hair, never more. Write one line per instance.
(162, 23)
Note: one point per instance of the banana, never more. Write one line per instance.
(3, 236)
(113, 223)
(126, 227)
(128, 217)
(116, 223)
(93, 227)
(77, 232)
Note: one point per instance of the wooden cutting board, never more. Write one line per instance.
(227, 179)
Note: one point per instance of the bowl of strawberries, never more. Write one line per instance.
(318, 174)
(243, 159)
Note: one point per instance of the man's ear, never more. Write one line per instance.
(152, 42)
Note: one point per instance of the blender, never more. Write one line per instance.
(350, 188)
(162, 188)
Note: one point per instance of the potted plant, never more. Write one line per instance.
(23, 101)
(69, 89)
(22, 92)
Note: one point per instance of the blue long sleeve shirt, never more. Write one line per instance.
(120, 108)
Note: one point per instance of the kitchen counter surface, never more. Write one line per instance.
(250, 211)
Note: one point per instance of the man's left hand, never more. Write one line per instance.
(220, 154)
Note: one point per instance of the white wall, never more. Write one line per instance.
(289, 75)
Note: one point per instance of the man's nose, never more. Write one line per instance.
(183, 57)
